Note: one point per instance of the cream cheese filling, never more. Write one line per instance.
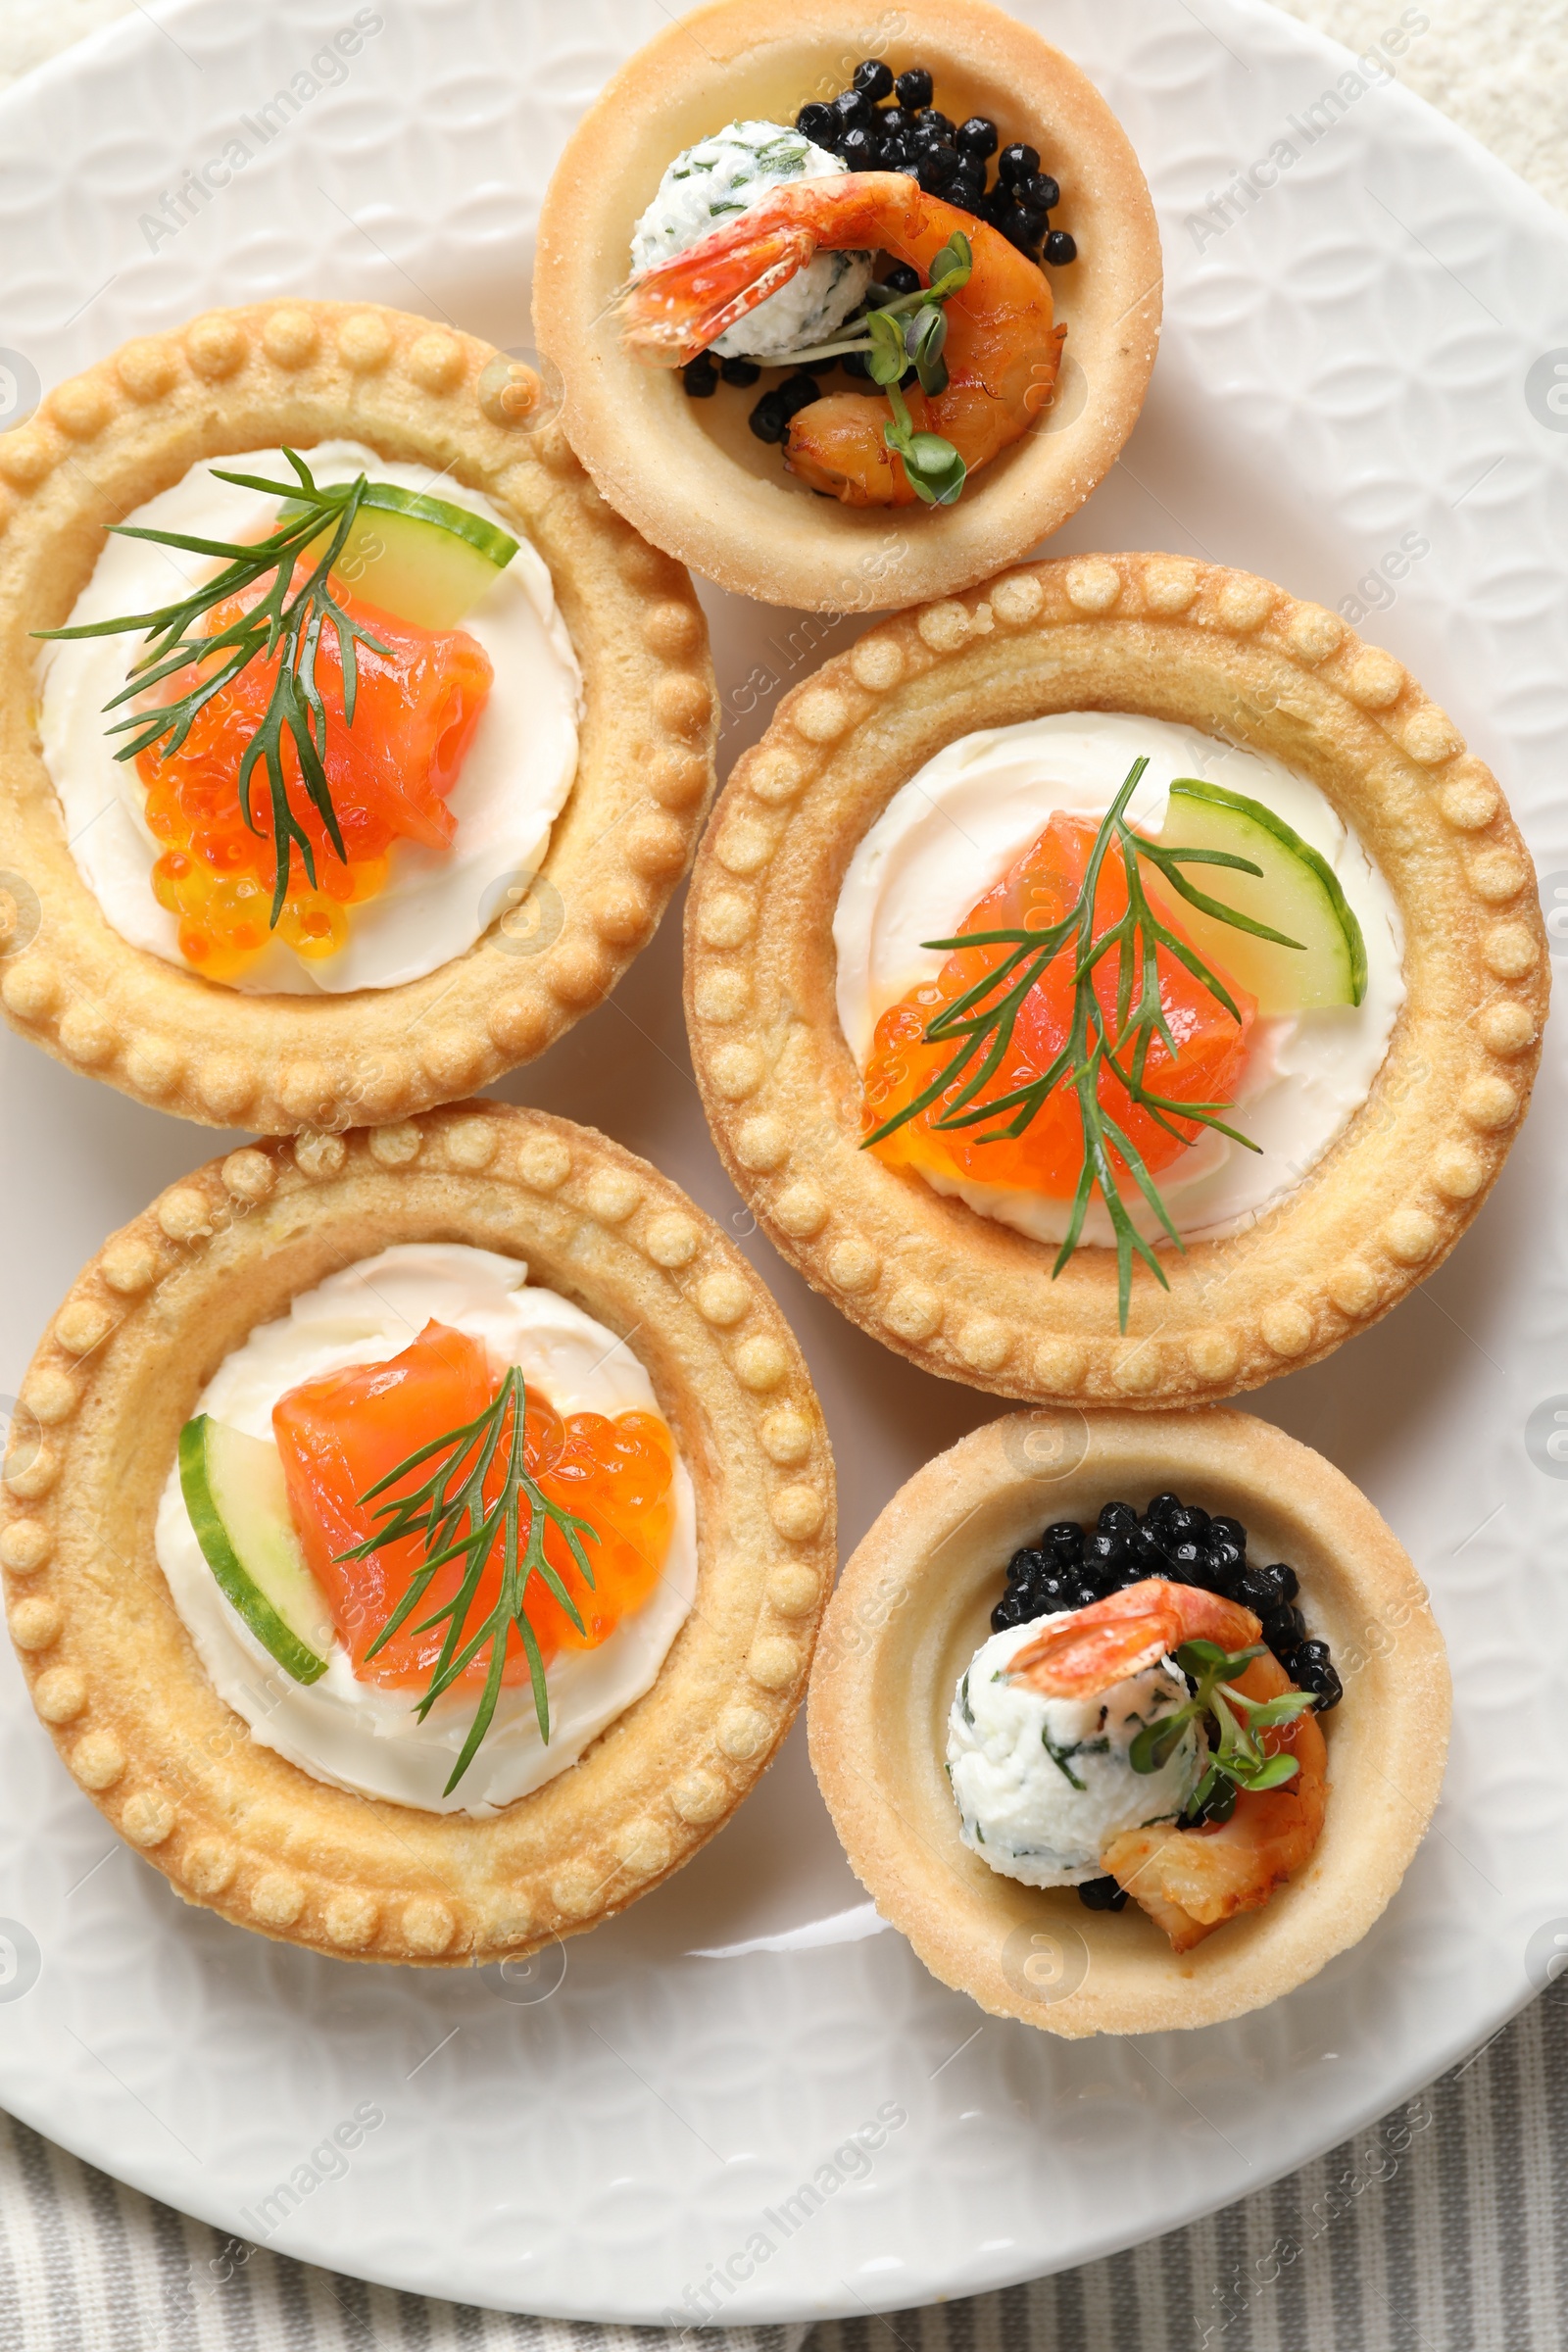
(1044, 1785)
(358, 1735)
(703, 190)
(512, 785)
(951, 833)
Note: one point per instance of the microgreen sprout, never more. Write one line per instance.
(1236, 1759)
(901, 331)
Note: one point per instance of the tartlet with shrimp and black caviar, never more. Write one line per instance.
(351, 746)
(1154, 1764)
(1116, 984)
(415, 1540)
(844, 335)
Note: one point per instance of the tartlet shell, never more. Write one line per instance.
(912, 1606)
(302, 373)
(971, 1299)
(114, 1674)
(732, 512)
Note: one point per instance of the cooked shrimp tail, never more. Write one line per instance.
(1002, 352)
(1093, 1648)
(1192, 1880)
(676, 310)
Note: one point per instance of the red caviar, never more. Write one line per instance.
(1038, 890)
(341, 1434)
(416, 707)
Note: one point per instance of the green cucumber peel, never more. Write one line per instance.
(497, 547)
(218, 1548)
(1198, 791)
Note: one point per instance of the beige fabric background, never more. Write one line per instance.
(1499, 66)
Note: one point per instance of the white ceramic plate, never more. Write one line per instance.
(1361, 365)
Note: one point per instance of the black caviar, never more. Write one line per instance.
(913, 134)
(797, 392)
(769, 421)
(882, 123)
(1070, 1566)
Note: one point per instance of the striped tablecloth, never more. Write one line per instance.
(1442, 2228)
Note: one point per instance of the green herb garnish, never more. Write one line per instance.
(1237, 1756)
(905, 330)
(449, 1513)
(1061, 1757)
(786, 155)
(280, 623)
(982, 1021)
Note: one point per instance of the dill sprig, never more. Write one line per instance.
(278, 624)
(983, 1019)
(456, 1522)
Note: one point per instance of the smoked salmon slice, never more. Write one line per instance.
(340, 1435)
(416, 706)
(1038, 890)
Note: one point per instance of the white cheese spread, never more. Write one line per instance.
(1043, 1784)
(360, 1735)
(512, 785)
(711, 185)
(951, 833)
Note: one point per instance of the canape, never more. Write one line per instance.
(752, 216)
(352, 747)
(415, 1540)
(1151, 1764)
(1118, 983)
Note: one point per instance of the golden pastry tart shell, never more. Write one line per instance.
(112, 1672)
(915, 1604)
(971, 1299)
(302, 373)
(689, 474)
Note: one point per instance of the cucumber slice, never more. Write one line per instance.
(418, 557)
(238, 1504)
(1298, 893)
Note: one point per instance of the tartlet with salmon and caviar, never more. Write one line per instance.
(351, 746)
(844, 331)
(414, 1539)
(1116, 984)
(1152, 1763)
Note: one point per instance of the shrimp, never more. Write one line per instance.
(1113, 1638)
(1002, 352)
(1190, 1881)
